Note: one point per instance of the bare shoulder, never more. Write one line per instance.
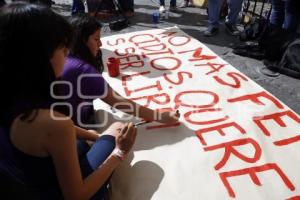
(59, 131)
(55, 122)
(44, 130)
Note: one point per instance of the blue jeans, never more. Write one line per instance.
(284, 14)
(77, 7)
(91, 158)
(214, 6)
(172, 3)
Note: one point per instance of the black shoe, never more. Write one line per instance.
(232, 29)
(211, 31)
(248, 45)
(268, 71)
(270, 63)
(173, 9)
(259, 55)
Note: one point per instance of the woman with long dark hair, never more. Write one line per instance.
(85, 59)
(38, 143)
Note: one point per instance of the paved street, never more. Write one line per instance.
(193, 22)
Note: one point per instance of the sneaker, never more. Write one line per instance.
(259, 55)
(268, 72)
(232, 29)
(249, 46)
(162, 9)
(211, 31)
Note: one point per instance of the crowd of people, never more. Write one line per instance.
(60, 158)
(284, 12)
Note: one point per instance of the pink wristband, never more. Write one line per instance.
(119, 154)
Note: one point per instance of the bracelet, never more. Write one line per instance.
(118, 153)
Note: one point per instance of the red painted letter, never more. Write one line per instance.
(219, 129)
(180, 77)
(213, 121)
(252, 173)
(154, 98)
(277, 118)
(235, 77)
(255, 99)
(229, 149)
(178, 101)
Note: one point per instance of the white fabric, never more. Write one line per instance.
(172, 163)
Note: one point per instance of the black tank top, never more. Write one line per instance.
(36, 172)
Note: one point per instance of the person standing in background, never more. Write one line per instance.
(186, 3)
(214, 6)
(162, 7)
(285, 14)
(128, 7)
(77, 7)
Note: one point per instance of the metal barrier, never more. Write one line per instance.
(255, 9)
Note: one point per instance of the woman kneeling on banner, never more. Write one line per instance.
(85, 59)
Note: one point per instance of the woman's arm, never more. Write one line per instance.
(61, 145)
(97, 86)
(114, 99)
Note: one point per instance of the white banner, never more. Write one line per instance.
(234, 139)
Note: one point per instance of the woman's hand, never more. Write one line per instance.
(126, 139)
(168, 117)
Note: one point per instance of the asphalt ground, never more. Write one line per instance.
(193, 21)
